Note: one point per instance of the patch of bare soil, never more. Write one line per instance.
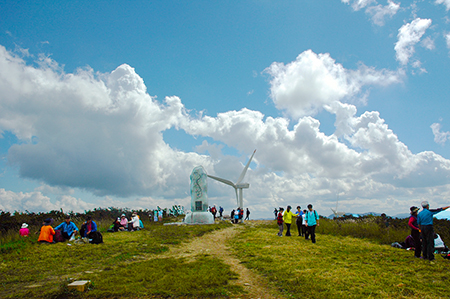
(214, 244)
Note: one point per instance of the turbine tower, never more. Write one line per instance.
(335, 211)
(238, 186)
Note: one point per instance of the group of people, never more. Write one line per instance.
(422, 230)
(123, 224)
(306, 221)
(64, 231)
(238, 214)
(213, 210)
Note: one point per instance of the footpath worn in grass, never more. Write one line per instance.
(339, 267)
(125, 265)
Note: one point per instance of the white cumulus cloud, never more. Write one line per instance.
(306, 85)
(408, 36)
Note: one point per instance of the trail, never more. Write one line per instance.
(215, 244)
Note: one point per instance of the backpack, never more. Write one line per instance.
(96, 238)
(58, 237)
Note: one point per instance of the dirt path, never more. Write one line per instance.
(214, 244)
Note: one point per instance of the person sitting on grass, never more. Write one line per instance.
(88, 227)
(123, 222)
(68, 229)
(47, 232)
(24, 231)
(134, 222)
(89, 230)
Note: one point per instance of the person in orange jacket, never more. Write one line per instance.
(47, 232)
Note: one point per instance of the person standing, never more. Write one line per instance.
(415, 231)
(299, 220)
(247, 214)
(425, 221)
(304, 223)
(280, 222)
(220, 212)
(287, 218)
(68, 228)
(312, 220)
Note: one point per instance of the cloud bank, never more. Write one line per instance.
(103, 133)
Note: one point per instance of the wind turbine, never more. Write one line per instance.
(335, 211)
(238, 186)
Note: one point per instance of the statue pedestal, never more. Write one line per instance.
(199, 218)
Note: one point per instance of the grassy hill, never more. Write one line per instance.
(221, 261)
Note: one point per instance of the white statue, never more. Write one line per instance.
(199, 198)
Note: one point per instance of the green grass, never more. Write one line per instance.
(339, 267)
(126, 264)
(140, 265)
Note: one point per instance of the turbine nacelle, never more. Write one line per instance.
(243, 185)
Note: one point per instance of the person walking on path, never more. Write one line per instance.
(415, 231)
(298, 222)
(247, 214)
(312, 220)
(287, 218)
(425, 221)
(280, 222)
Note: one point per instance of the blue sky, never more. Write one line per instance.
(112, 103)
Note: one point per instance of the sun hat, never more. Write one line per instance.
(123, 215)
(425, 203)
(24, 225)
(414, 209)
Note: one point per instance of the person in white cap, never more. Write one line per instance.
(425, 221)
(24, 231)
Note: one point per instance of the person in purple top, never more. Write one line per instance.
(425, 221)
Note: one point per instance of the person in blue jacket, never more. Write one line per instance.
(312, 220)
(425, 221)
(88, 227)
(68, 228)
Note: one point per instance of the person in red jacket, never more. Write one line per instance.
(415, 231)
(280, 221)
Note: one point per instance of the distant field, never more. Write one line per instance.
(220, 261)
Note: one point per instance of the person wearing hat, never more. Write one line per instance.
(68, 228)
(134, 222)
(425, 221)
(47, 232)
(123, 222)
(415, 231)
(24, 231)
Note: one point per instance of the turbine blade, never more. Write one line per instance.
(223, 181)
(241, 177)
